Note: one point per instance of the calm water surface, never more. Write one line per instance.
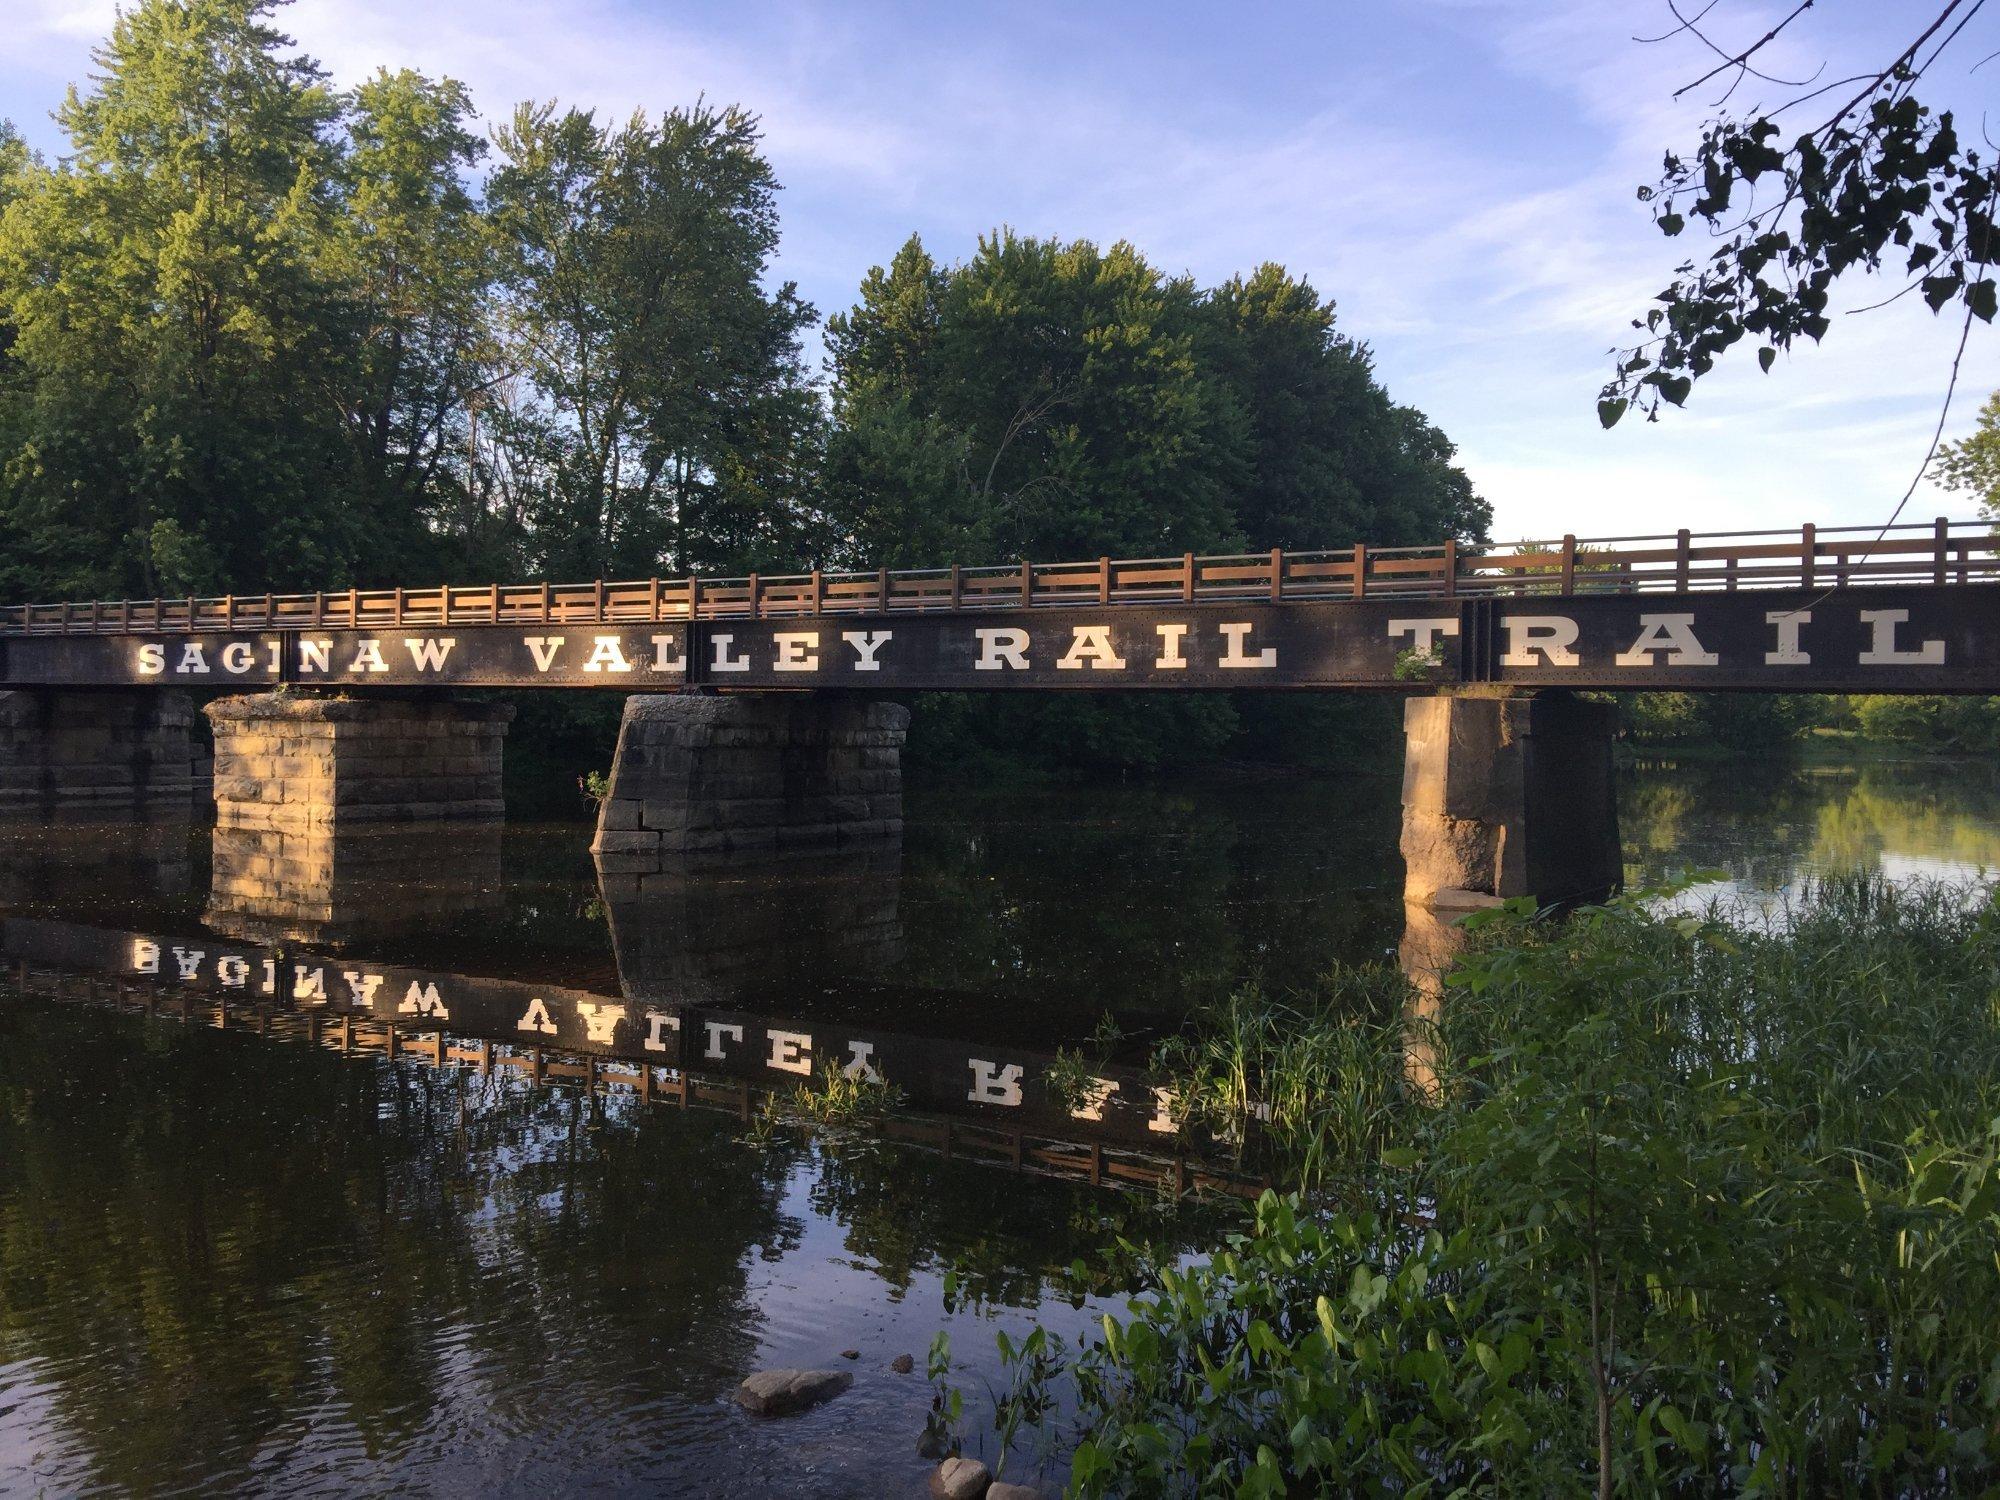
(230, 1263)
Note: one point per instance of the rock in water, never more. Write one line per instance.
(902, 1364)
(960, 1479)
(999, 1489)
(777, 1393)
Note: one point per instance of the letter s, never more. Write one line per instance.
(152, 659)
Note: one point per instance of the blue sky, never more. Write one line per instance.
(1458, 174)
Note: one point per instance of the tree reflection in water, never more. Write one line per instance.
(1766, 825)
(225, 1261)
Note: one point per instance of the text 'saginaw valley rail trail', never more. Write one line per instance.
(1909, 638)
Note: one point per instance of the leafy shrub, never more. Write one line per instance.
(1691, 1207)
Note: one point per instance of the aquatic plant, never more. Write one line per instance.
(1073, 1077)
(835, 1096)
(1693, 1205)
(1309, 1087)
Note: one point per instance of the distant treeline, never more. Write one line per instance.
(1747, 721)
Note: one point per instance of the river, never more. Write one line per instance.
(232, 1260)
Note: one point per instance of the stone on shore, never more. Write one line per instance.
(960, 1479)
(778, 1393)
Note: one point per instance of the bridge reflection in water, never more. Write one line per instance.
(732, 988)
(237, 1265)
(416, 1269)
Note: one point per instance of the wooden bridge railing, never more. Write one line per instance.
(1940, 552)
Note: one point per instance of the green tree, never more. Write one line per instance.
(1333, 459)
(415, 260)
(1057, 400)
(899, 474)
(1972, 464)
(1042, 400)
(1947, 723)
(1736, 721)
(15, 391)
(171, 321)
(670, 426)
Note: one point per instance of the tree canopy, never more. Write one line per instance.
(1065, 400)
(261, 334)
(1972, 464)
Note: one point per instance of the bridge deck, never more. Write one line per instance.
(1931, 553)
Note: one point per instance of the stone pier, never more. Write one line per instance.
(82, 749)
(289, 762)
(699, 777)
(1509, 796)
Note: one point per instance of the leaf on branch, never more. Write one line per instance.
(1766, 357)
(1939, 290)
(1672, 224)
(1674, 388)
(1980, 298)
(1610, 409)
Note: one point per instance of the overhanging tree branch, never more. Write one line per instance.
(1883, 176)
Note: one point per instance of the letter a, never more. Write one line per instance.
(607, 655)
(1673, 634)
(1091, 643)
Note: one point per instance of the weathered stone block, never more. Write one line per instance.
(619, 815)
(1509, 796)
(284, 760)
(739, 773)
